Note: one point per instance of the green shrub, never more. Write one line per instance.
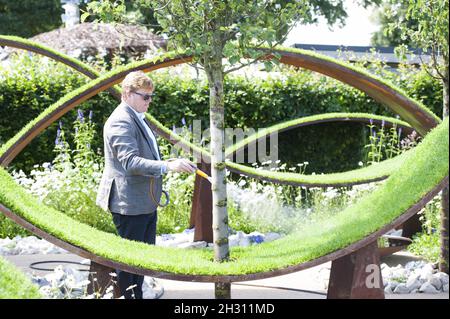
(427, 243)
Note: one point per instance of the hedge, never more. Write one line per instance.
(27, 89)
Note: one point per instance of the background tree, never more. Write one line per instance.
(431, 36)
(385, 15)
(27, 18)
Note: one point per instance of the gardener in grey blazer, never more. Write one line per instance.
(131, 185)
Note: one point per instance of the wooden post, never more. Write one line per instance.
(222, 290)
(412, 226)
(201, 213)
(100, 279)
(357, 275)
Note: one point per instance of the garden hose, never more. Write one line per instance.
(152, 183)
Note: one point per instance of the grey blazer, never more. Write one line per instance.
(131, 170)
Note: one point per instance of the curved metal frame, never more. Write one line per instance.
(419, 118)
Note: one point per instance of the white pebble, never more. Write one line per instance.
(428, 288)
(401, 289)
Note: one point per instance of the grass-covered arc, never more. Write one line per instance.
(378, 88)
(348, 233)
(423, 174)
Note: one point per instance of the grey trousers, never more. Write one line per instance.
(139, 228)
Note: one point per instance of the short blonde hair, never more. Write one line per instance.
(136, 80)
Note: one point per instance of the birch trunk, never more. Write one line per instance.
(444, 261)
(218, 172)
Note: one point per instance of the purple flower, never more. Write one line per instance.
(371, 121)
(60, 125)
(80, 116)
(174, 129)
(258, 239)
(382, 124)
(90, 115)
(399, 132)
(58, 134)
(183, 121)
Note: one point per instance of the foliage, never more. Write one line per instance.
(427, 243)
(388, 13)
(432, 31)
(384, 143)
(29, 85)
(70, 182)
(27, 18)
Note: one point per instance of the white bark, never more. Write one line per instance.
(218, 171)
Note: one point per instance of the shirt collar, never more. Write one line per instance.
(140, 116)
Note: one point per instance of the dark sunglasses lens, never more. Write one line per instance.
(146, 97)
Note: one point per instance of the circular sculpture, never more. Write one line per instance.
(249, 264)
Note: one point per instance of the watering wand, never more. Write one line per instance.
(201, 173)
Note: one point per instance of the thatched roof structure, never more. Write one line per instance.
(86, 39)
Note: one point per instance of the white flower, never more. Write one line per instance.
(242, 183)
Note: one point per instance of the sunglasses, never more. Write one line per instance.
(145, 97)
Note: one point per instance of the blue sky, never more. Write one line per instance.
(357, 30)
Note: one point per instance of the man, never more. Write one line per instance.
(131, 185)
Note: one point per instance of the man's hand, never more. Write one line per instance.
(180, 165)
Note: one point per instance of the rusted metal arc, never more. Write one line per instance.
(57, 57)
(230, 278)
(406, 108)
(409, 110)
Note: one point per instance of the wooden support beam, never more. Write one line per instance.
(201, 212)
(357, 275)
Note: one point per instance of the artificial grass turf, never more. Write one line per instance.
(311, 242)
(14, 284)
(426, 166)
